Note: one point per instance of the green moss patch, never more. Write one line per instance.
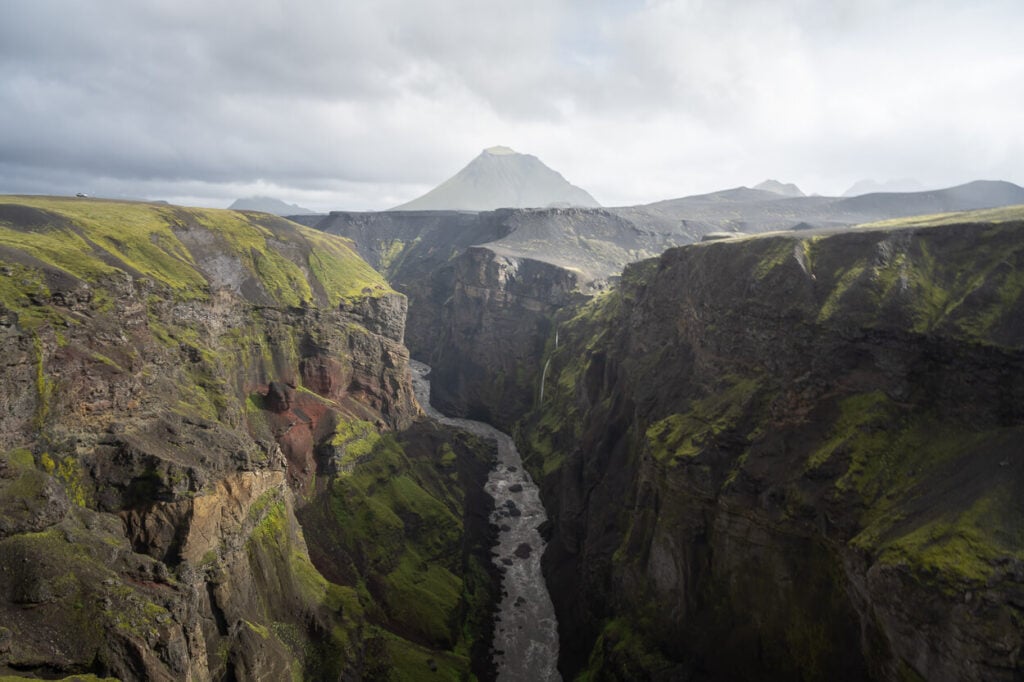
(340, 271)
(621, 652)
(972, 289)
(688, 434)
(968, 544)
(391, 521)
(410, 662)
(356, 438)
(423, 598)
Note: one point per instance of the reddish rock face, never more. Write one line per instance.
(299, 421)
(325, 375)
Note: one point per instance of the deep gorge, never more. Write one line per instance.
(775, 458)
(788, 457)
(782, 457)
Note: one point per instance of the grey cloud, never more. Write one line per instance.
(370, 100)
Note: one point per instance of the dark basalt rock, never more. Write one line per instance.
(278, 398)
(523, 551)
(766, 458)
(512, 509)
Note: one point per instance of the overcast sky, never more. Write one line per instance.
(335, 104)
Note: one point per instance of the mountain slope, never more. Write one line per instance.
(501, 178)
(751, 211)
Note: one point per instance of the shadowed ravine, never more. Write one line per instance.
(526, 632)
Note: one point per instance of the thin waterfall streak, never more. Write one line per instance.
(543, 376)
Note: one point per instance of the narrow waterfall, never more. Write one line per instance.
(543, 376)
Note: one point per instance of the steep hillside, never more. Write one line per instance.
(792, 457)
(209, 466)
(501, 178)
(971, 196)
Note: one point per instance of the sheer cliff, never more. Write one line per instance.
(792, 457)
(210, 464)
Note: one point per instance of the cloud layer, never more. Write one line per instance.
(364, 105)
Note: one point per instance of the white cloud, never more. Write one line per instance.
(364, 105)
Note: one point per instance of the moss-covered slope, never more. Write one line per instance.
(180, 387)
(193, 251)
(793, 457)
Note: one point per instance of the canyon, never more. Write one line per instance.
(776, 456)
(765, 457)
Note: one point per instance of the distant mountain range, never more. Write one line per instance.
(750, 210)
(783, 189)
(269, 205)
(502, 178)
(902, 185)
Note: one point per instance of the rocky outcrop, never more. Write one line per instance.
(792, 458)
(182, 386)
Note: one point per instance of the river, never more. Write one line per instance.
(526, 631)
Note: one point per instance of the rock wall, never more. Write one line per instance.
(792, 458)
(489, 355)
(180, 388)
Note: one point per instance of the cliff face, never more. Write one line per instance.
(488, 357)
(480, 315)
(180, 387)
(792, 458)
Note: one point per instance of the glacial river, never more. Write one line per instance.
(526, 632)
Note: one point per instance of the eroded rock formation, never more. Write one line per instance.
(180, 387)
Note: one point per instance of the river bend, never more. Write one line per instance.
(526, 632)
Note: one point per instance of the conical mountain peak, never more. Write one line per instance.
(501, 177)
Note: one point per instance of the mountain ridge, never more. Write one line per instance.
(786, 189)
